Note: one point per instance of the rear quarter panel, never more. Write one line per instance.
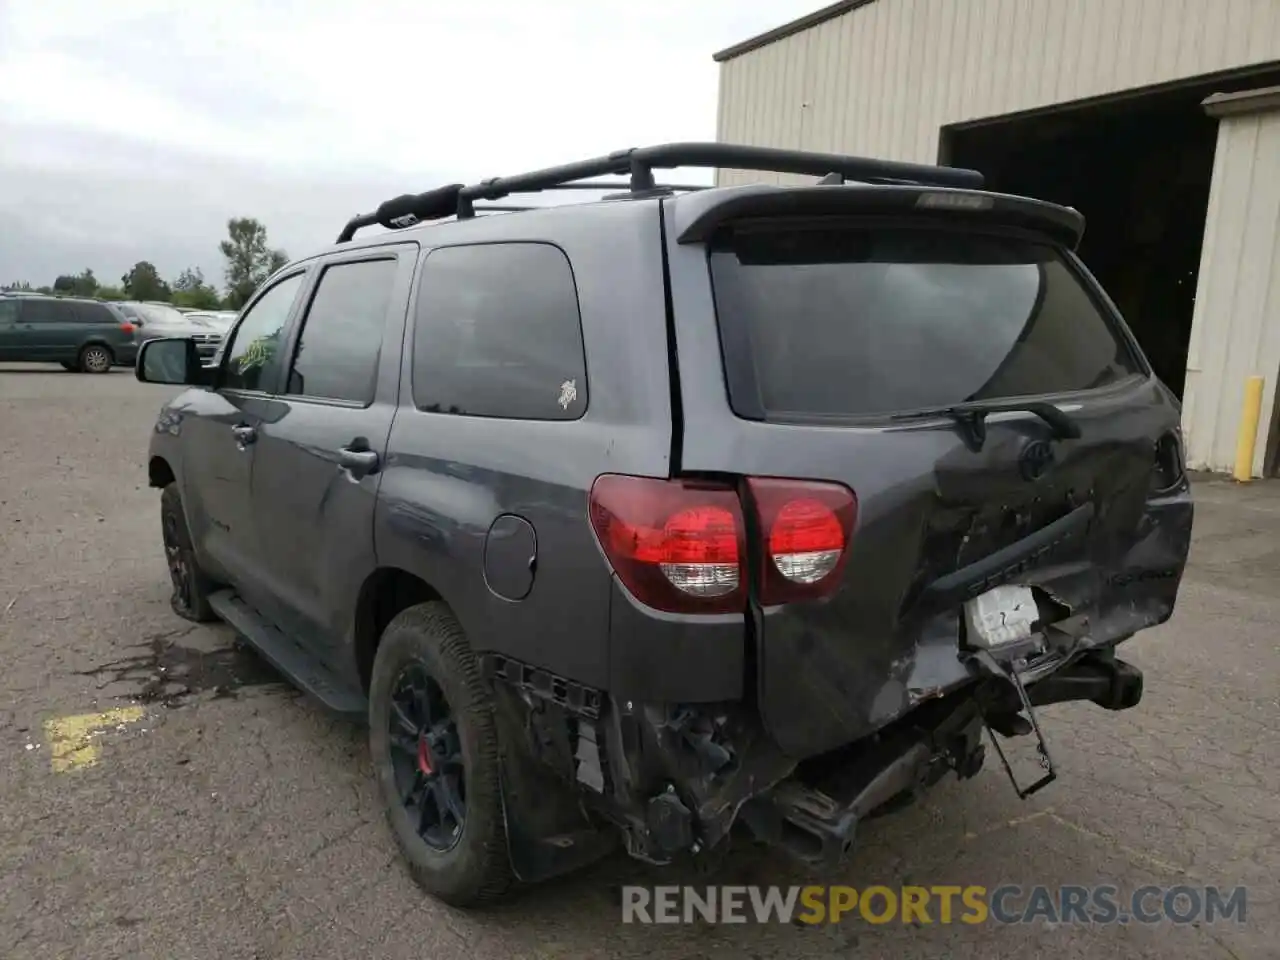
(448, 477)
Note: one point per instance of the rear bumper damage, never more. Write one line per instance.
(675, 782)
(814, 813)
(814, 809)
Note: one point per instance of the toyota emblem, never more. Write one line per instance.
(1036, 459)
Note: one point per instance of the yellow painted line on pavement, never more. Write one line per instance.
(1135, 855)
(1009, 824)
(72, 739)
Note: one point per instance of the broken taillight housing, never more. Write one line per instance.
(680, 545)
(1170, 466)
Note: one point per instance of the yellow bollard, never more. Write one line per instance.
(1248, 435)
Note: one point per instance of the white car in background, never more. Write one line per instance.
(220, 319)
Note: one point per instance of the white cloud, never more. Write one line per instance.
(391, 91)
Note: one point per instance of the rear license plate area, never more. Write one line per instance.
(1005, 621)
(1002, 630)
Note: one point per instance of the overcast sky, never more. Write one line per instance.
(133, 129)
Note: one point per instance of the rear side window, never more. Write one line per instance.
(8, 311)
(337, 354)
(94, 313)
(855, 322)
(47, 311)
(498, 334)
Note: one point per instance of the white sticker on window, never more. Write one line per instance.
(568, 393)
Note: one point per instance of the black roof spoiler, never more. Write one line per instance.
(697, 218)
(637, 164)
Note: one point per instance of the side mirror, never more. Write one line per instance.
(172, 360)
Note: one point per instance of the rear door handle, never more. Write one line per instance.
(359, 462)
(244, 434)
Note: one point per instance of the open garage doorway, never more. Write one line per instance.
(1139, 169)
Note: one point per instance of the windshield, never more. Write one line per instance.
(855, 322)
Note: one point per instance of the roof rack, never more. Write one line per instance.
(638, 163)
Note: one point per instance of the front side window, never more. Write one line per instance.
(498, 334)
(8, 312)
(255, 342)
(337, 355)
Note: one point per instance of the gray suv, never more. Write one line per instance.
(683, 510)
(160, 320)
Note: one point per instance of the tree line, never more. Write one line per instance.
(249, 260)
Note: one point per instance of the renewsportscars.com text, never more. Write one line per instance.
(941, 904)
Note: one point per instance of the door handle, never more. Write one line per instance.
(359, 462)
(244, 434)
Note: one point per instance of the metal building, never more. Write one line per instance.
(1158, 119)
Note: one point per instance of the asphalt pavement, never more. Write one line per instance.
(165, 796)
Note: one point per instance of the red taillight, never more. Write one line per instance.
(806, 527)
(677, 544)
(680, 545)
(127, 327)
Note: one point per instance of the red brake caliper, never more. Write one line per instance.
(424, 757)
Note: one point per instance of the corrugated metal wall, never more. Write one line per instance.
(884, 77)
(1235, 332)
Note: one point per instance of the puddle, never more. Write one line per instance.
(168, 672)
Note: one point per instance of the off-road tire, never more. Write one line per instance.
(95, 358)
(477, 869)
(193, 602)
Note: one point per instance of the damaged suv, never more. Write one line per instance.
(682, 509)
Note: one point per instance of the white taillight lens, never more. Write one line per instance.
(702, 579)
(806, 567)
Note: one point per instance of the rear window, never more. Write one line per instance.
(852, 322)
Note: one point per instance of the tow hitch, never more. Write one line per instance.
(814, 814)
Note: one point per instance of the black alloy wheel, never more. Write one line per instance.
(175, 558)
(426, 757)
(191, 588)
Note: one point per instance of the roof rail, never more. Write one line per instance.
(638, 163)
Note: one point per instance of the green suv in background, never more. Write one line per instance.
(84, 335)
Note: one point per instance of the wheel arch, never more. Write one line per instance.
(385, 593)
(159, 472)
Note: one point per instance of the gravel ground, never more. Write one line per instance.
(229, 817)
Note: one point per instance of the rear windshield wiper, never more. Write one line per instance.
(972, 415)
